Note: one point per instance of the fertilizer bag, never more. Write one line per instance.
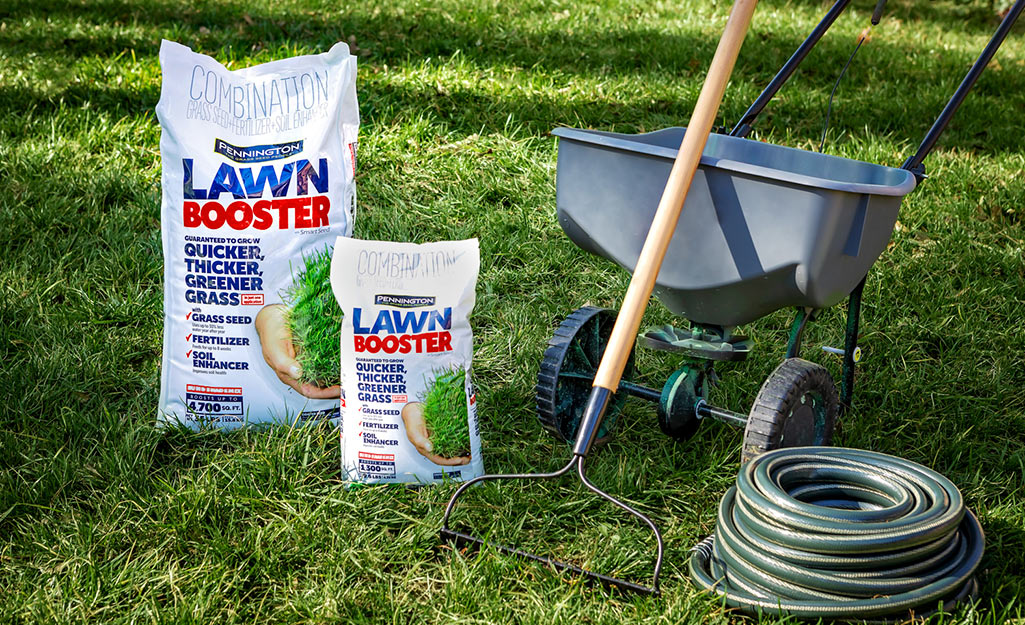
(258, 167)
(409, 409)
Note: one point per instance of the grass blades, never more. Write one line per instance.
(315, 320)
(445, 413)
(106, 520)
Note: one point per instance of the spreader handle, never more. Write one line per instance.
(877, 14)
(664, 223)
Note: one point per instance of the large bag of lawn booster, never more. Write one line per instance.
(258, 168)
(408, 405)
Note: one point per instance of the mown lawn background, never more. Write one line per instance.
(105, 519)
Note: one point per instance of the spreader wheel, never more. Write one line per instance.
(567, 373)
(796, 407)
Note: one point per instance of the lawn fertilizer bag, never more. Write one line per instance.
(258, 168)
(408, 403)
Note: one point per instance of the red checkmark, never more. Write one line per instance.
(188, 353)
(188, 315)
(189, 337)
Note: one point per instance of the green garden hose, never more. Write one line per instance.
(845, 534)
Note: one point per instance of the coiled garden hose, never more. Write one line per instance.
(845, 534)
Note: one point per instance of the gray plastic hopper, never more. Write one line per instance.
(763, 227)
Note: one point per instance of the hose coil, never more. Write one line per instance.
(835, 533)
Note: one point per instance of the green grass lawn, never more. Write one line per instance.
(104, 518)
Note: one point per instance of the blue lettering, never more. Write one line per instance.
(304, 172)
(383, 323)
(267, 175)
(260, 99)
(397, 322)
(226, 181)
(275, 98)
(356, 327)
(409, 322)
(238, 96)
(192, 85)
(443, 319)
(187, 191)
(321, 84)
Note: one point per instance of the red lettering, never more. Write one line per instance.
(190, 215)
(239, 222)
(239, 215)
(217, 220)
(302, 213)
(282, 207)
(428, 342)
(321, 207)
(261, 210)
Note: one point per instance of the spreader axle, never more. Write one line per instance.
(705, 409)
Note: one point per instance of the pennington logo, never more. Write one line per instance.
(257, 153)
(404, 301)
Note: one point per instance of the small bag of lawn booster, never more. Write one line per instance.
(258, 181)
(408, 404)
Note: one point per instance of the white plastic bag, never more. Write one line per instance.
(409, 409)
(258, 168)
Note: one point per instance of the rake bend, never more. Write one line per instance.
(466, 540)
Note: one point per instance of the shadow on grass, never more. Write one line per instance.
(966, 16)
(177, 447)
(67, 463)
(1005, 542)
(465, 110)
(975, 17)
(391, 37)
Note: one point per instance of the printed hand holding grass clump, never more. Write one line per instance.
(315, 321)
(445, 413)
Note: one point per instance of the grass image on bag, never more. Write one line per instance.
(445, 413)
(315, 321)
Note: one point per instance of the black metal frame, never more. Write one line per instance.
(600, 396)
(744, 126)
(914, 163)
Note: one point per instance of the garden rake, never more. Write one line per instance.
(628, 321)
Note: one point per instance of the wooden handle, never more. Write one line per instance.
(664, 223)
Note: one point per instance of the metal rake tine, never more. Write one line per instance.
(463, 539)
(502, 476)
(660, 546)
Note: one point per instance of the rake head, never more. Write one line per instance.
(464, 540)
